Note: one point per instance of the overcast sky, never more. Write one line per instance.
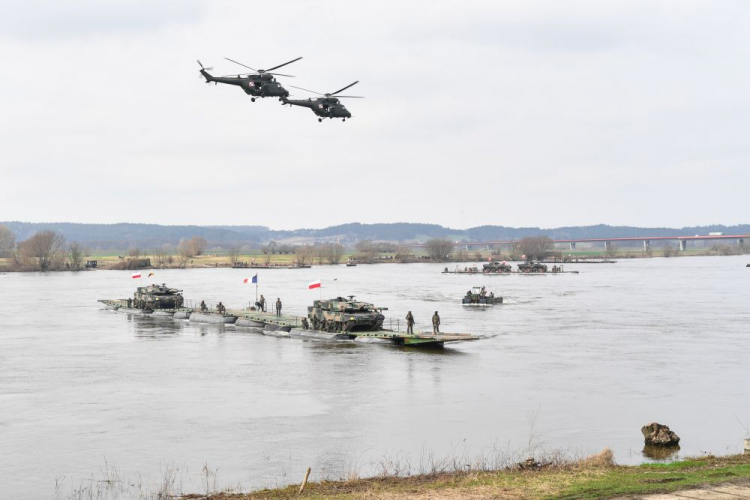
(516, 113)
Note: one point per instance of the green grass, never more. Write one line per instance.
(573, 480)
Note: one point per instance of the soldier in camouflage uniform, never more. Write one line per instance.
(410, 323)
(435, 323)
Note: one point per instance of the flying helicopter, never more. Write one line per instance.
(327, 106)
(260, 83)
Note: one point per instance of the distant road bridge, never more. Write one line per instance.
(683, 240)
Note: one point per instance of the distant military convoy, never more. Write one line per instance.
(499, 268)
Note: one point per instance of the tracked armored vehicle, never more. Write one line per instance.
(497, 268)
(532, 267)
(345, 315)
(157, 297)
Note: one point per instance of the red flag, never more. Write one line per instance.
(314, 284)
(245, 280)
(136, 275)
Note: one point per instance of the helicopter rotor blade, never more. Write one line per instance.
(349, 97)
(199, 64)
(312, 91)
(280, 74)
(341, 90)
(244, 65)
(280, 65)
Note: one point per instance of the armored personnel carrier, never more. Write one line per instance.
(157, 297)
(345, 315)
(478, 296)
(532, 267)
(497, 267)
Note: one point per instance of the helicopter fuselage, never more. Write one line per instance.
(324, 107)
(253, 85)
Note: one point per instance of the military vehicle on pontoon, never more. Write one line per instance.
(345, 315)
(532, 267)
(157, 297)
(497, 267)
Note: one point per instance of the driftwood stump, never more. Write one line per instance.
(656, 434)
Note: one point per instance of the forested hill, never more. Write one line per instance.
(125, 235)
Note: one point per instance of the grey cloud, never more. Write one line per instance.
(51, 19)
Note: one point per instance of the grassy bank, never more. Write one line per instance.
(595, 477)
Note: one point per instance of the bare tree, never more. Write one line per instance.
(234, 254)
(669, 250)
(134, 252)
(192, 247)
(404, 254)
(611, 250)
(76, 254)
(161, 257)
(304, 254)
(535, 247)
(319, 252)
(46, 247)
(333, 253)
(439, 249)
(197, 245)
(7, 242)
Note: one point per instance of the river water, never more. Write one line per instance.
(574, 362)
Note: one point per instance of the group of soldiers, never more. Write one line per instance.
(220, 308)
(410, 323)
(261, 304)
(482, 293)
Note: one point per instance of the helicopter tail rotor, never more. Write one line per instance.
(204, 68)
(204, 72)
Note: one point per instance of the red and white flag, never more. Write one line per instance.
(314, 284)
(136, 275)
(245, 280)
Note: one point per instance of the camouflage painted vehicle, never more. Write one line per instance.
(478, 296)
(532, 267)
(345, 315)
(497, 267)
(157, 297)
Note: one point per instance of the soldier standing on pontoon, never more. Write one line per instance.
(410, 323)
(435, 323)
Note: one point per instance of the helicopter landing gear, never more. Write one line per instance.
(320, 119)
(343, 119)
(252, 99)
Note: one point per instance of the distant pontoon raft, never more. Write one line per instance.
(499, 269)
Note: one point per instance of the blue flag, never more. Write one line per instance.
(255, 278)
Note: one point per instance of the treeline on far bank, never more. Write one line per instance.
(49, 251)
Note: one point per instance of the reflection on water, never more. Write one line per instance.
(660, 452)
(594, 355)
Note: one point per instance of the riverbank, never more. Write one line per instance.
(594, 477)
(253, 262)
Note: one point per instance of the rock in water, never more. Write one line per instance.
(656, 434)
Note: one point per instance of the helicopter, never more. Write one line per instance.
(327, 106)
(260, 83)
